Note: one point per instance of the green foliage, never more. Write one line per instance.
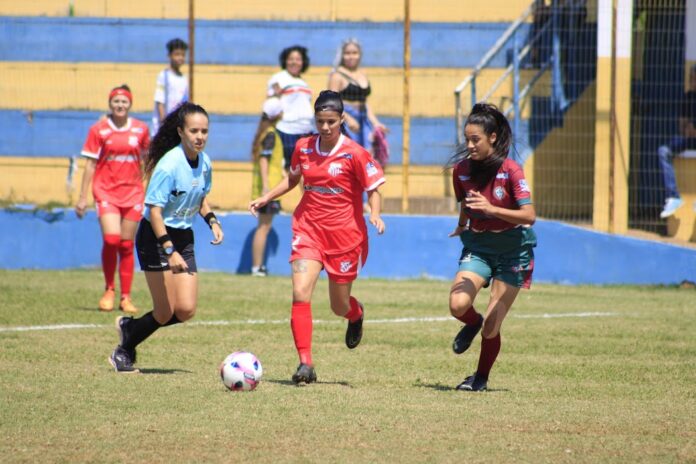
(612, 388)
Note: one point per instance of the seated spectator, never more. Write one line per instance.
(686, 140)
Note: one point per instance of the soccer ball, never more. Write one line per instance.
(241, 371)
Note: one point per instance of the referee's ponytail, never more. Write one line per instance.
(167, 136)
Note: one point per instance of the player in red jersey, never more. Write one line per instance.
(113, 152)
(495, 227)
(329, 231)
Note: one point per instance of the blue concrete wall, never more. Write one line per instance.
(59, 240)
(440, 45)
(230, 135)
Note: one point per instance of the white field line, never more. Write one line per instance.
(400, 320)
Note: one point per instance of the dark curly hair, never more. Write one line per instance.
(295, 48)
(491, 120)
(167, 136)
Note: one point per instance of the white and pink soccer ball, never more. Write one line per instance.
(241, 371)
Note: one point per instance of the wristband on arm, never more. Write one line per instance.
(211, 219)
(164, 239)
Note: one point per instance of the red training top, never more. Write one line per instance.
(117, 176)
(508, 190)
(330, 213)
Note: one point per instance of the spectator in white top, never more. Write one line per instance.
(172, 85)
(296, 98)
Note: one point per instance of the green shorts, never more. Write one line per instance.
(513, 267)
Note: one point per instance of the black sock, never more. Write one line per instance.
(139, 330)
(172, 321)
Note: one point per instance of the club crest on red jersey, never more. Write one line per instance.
(335, 169)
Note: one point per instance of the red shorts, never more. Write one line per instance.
(132, 213)
(341, 268)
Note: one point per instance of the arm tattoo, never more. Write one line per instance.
(299, 266)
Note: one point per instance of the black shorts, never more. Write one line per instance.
(151, 254)
(272, 207)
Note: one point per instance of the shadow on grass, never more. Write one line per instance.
(164, 371)
(441, 387)
(319, 382)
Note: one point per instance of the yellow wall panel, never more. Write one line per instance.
(41, 181)
(221, 89)
(302, 10)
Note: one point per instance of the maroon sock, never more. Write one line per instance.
(470, 317)
(301, 324)
(490, 347)
(110, 258)
(355, 311)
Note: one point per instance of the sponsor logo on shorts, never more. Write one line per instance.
(104, 203)
(295, 242)
(499, 192)
(335, 169)
(138, 207)
(371, 169)
(466, 258)
(346, 265)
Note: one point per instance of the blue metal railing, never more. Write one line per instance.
(520, 52)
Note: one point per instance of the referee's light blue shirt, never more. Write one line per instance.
(178, 188)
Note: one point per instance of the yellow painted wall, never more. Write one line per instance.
(43, 180)
(220, 89)
(303, 10)
(563, 164)
(682, 225)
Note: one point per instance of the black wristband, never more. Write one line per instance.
(461, 225)
(164, 239)
(209, 217)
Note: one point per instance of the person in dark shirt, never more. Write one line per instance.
(686, 140)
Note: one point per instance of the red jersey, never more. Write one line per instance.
(508, 190)
(117, 176)
(330, 213)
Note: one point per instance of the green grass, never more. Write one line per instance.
(617, 388)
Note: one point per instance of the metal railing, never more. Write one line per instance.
(520, 52)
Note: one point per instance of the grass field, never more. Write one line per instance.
(611, 378)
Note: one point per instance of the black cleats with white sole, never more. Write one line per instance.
(122, 361)
(305, 374)
(473, 383)
(354, 331)
(122, 323)
(463, 340)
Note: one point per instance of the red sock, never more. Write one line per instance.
(301, 324)
(490, 347)
(355, 311)
(125, 266)
(470, 317)
(110, 257)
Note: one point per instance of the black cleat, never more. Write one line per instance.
(463, 340)
(305, 373)
(122, 323)
(473, 383)
(354, 331)
(122, 361)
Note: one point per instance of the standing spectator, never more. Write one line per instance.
(328, 227)
(686, 140)
(353, 86)
(172, 85)
(113, 151)
(296, 97)
(180, 180)
(495, 226)
(267, 153)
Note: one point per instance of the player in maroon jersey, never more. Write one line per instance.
(329, 230)
(113, 151)
(495, 227)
